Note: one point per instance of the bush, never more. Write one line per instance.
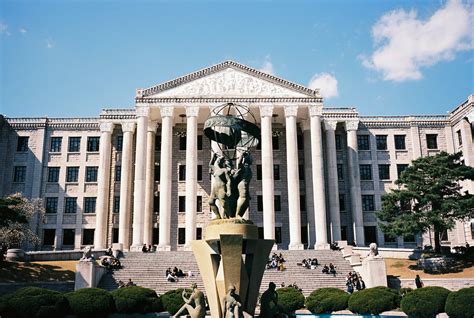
(460, 304)
(34, 302)
(425, 302)
(290, 299)
(405, 290)
(91, 302)
(374, 300)
(326, 300)
(136, 299)
(172, 301)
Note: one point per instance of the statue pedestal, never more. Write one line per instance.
(231, 255)
(88, 274)
(375, 272)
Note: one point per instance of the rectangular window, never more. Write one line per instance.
(278, 239)
(277, 202)
(119, 145)
(56, 144)
(156, 204)
(182, 173)
(259, 172)
(340, 172)
(198, 233)
(70, 205)
(368, 202)
(19, 174)
(72, 174)
(199, 203)
(301, 172)
(342, 202)
(69, 236)
(400, 142)
(182, 142)
(302, 202)
(199, 172)
(344, 233)
(381, 142)
(88, 236)
(156, 236)
(91, 174)
(22, 144)
(363, 142)
(74, 144)
(118, 173)
(181, 203)
(370, 234)
(259, 203)
(275, 143)
(365, 172)
(116, 206)
(400, 169)
(384, 172)
(181, 235)
(89, 204)
(276, 172)
(158, 143)
(51, 205)
(115, 235)
(458, 133)
(199, 142)
(432, 141)
(304, 234)
(93, 144)
(300, 141)
(48, 236)
(157, 172)
(338, 142)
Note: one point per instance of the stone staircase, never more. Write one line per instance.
(148, 270)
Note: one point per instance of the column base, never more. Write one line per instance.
(163, 248)
(321, 246)
(297, 246)
(135, 248)
(187, 248)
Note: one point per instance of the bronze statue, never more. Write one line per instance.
(196, 297)
(242, 177)
(221, 184)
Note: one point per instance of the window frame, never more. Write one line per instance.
(74, 144)
(93, 144)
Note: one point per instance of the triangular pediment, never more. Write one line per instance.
(228, 79)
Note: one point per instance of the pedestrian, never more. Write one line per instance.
(418, 282)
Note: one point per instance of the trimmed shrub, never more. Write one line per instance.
(173, 301)
(374, 300)
(34, 302)
(405, 290)
(136, 299)
(326, 300)
(425, 302)
(459, 304)
(91, 302)
(290, 299)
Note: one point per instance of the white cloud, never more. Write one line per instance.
(267, 66)
(326, 83)
(405, 44)
(50, 43)
(23, 31)
(4, 29)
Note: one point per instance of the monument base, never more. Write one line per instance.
(375, 271)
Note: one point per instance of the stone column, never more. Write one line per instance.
(150, 183)
(293, 178)
(126, 184)
(165, 177)
(354, 181)
(333, 184)
(102, 208)
(318, 178)
(142, 114)
(191, 174)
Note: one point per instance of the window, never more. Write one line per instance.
(344, 233)
(70, 205)
(72, 174)
(181, 235)
(259, 172)
(198, 233)
(389, 238)
(48, 236)
(363, 142)
(304, 234)
(182, 142)
(400, 142)
(302, 202)
(181, 203)
(432, 141)
(400, 169)
(381, 142)
(370, 234)
(115, 235)
(338, 142)
(301, 172)
(384, 172)
(119, 145)
(91, 174)
(93, 144)
(74, 144)
(156, 204)
(340, 172)
(53, 174)
(342, 202)
(155, 236)
(51, 205)
(118, 173)
(444, 236)
(22, 144)
(458, 133)
(199, 172)
(182, 173)
(116, 206)
(88, 236)
(365, 172)
(56, 144)
(277, 202)
(299, 141)
(157, 172)
(19, 174)
(259, 203)
(158, 143)
(89, 204)
(199, 203)
(199, 142)
(275, 143)
(276, 172)
(368, 202)
(278, 235)
(68, 236)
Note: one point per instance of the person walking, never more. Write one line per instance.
(418, 282)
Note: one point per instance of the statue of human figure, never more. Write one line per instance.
(221, 183)
(242, 176)
(231, 303)
(269, 302)
(196, 297)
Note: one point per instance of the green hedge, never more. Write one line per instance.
(173, 301)
(326, 300)
(136, 299)
(91, 302)
(460, 304)
(425, 302)
(34, 302)
(374, 300)
(290, 299)
(405, 290)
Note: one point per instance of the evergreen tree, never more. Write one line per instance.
(429, 196)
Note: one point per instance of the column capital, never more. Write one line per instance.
(142, 110)
(306, 124)
(352, 125)
(166, 111)
(266, 110)
(128, 126)
(152, 125)
(330, 124)
(291, 110)
(106, 126)
(315, 110)
(192, 111)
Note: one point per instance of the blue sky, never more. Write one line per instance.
(73, 58)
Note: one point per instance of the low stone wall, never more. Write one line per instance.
(6, 288)
(72, 255)
(385, 252)
(449, 283)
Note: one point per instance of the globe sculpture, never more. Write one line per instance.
(231, 257)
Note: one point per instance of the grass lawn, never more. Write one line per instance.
(400, 268)
(37, 271)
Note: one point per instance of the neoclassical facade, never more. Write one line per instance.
(140, 175)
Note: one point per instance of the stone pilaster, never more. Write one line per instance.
(191, 174)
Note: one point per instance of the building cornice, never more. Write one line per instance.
(56, 123)
(192, 100)
(436, 121)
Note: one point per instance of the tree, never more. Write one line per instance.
(429, 196)
(16, 211)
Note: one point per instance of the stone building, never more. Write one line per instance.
(140, 175)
